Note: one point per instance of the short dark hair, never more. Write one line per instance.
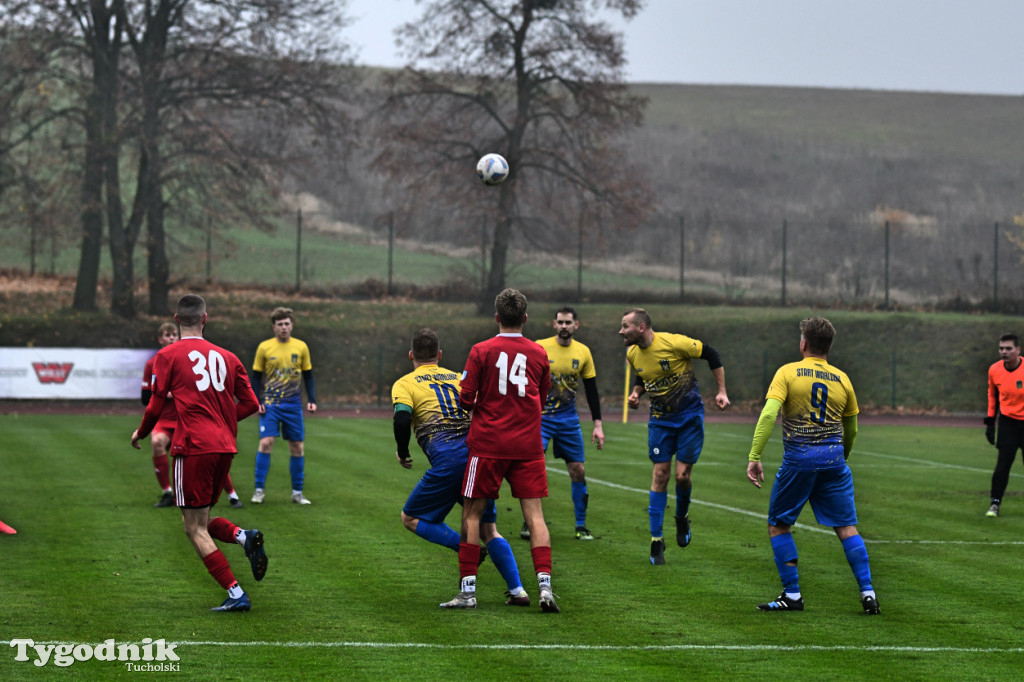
(567, 309)
(510, 305)
(191, 308)
(819, 334)
(1011, 337)
(425, 345)
(281, 313)
(639, 315)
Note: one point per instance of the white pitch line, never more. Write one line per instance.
(577, 647)
(799, 526)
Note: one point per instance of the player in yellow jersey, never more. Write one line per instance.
(819, 426)
(281, 368)
(664, 370)
(571, 362)
(427, 404)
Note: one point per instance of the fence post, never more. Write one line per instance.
(391, 252)
(785, 229)
(995, 269)
(209, 250)
(579, 260)
(886, 264)
(682, 258)
(298, 250)
(894, 380)
(380, 372)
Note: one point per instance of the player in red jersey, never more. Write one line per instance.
(205, 381)
(506, 381)
(162, 433)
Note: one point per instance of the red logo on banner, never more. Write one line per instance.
(52, 372)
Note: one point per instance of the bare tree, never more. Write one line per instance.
(538, 81)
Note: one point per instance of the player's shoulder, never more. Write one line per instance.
(548, 343)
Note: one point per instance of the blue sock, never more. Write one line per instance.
(784, 549)
(297, 465)
(438, 533)
(683, 500)
(857, 556)
(262, 467)
(501, 554)
(658, 502)
(579, 502)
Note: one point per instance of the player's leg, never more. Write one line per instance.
(568, 446)
(790, 492)
(196, 476)
(689, 444)
(293, 430)
(501, 555)
(661, 447)
(160, 441)
(1009, 437)
(528, 481)
(270, 429)
(469, 554)
(233, 500)
(833, 504)
(429, 503)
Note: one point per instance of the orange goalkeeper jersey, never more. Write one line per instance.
(1006, 390)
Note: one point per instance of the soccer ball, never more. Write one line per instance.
(492, 169)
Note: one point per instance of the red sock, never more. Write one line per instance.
(469, 559)
(217, 564)
(541, 559)
(163, 469)
(229, 487)
(222, 529)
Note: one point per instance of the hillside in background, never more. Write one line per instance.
(764, 196)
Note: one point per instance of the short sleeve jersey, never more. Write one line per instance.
(815, 397)
(506, 380)
(168, 415)
(205, 380)
(1006, 391)
(438, 422)
(666, 368)
(568, 365)
(282, 365)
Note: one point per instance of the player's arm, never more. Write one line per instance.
(149, 418)
(849, 434)
(762, 432)
(146, 393)
(993, 410)
(247, 403)
(594, 402)
(307, 379)
(468, 384)
(402, 423)
(638, 390)
(714, 361)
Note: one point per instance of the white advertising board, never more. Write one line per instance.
(72, 373)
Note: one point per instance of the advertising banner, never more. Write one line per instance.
(71, 373)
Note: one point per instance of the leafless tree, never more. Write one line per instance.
(538, 81)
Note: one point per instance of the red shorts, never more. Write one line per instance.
(527, 477)
(198, 479)
(167, 428)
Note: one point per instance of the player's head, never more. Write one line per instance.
(636, 322)
(191, 311)
(1009, 347)
(281, 322)
(566, 322)
(167, 333)
(425, 346)
(510, 308)
(818, 333)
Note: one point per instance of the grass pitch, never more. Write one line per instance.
(351, 594)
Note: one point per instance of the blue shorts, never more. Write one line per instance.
(566, 435)
(438, 491)
(685, 441)
(283, 419)
(830, 492)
